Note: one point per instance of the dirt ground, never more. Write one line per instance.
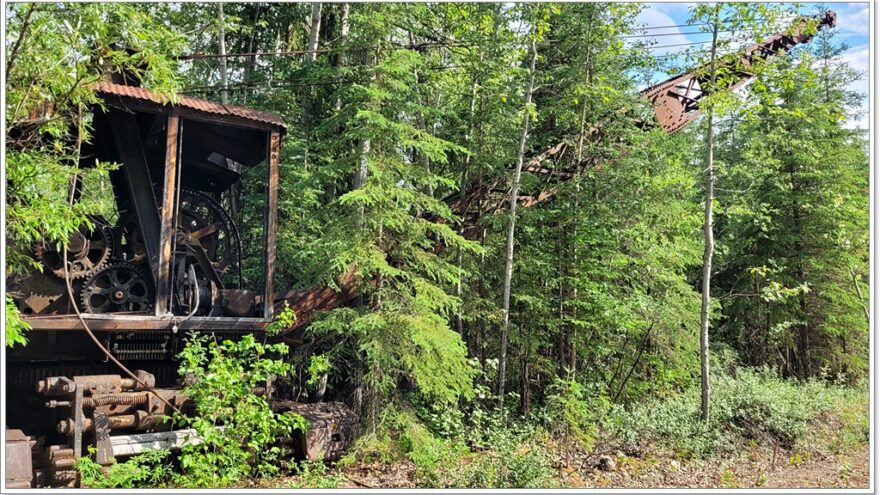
(757, 468)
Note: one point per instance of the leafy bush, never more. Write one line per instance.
(850, 426)
(516, 460)
(15, 326)
(514, 456)
(149, 469)
(314, 474)
(238, 429)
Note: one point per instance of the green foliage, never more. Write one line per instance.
(750, 405)
(314, 475)
(393, 346)
(283, 320)
(318, 365)
(148, 470)
(794, 235)
(850, 422)
(575, 414)
(15, 327)
(516, 457)
(238, 429)
(513, 463)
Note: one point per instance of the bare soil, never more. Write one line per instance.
(759, 467)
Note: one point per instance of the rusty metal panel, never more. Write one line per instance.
(18, 468)
(676, 100)
(205, 106)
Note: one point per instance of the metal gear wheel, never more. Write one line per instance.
(87, 251)
(120, 287)
(202, 217)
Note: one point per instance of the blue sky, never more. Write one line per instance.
(852, 29)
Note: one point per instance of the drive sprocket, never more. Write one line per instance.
(120, 287)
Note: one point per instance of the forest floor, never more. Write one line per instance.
(830, 449)
(754, 469)
(828, 458)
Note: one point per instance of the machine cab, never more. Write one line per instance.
(191, 241)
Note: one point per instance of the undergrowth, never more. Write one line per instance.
(237, 428)
(517, 458)
(750, 405)
(472, 444)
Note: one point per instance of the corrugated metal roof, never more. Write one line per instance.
(206, 106)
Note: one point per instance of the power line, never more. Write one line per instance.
(463, 44)
(670, 27)
(671, 34)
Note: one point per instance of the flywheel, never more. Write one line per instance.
(201, 217)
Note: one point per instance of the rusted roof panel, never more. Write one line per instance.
(211, 107)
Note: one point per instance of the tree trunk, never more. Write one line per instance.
(252, 60)
(314, 32)
(855, 280)
(514, 197)
(363, 169)
(311, 55)
(459, 313)
(709, 241)
(343, 39)
(588, 77)
(330, 191)
(224, 72)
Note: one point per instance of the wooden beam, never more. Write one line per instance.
(273, 153)
(169, 205)
(115, 322)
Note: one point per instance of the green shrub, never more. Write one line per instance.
(573, 414)
(238, 429)
(514, 462)
(753, 404)
(15, 326)
(852, 413)
(149, 469)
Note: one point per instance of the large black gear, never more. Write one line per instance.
(120, 287)
(199, 213)
(87, 251)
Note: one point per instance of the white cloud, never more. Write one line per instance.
(858, 58)
(854, 21)
(658, 14)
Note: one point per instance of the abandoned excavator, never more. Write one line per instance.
(175, 259)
